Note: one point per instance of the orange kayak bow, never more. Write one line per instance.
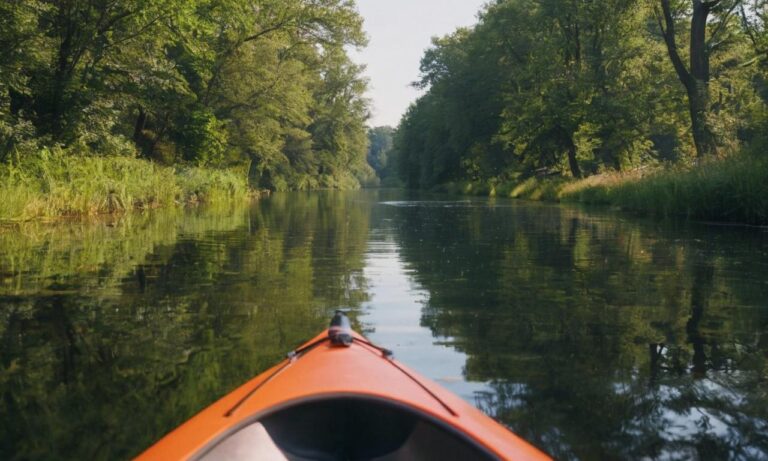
(339, 397)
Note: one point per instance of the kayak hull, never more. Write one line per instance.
(324, 372)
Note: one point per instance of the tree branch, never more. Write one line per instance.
(723, 21)
(669, 39)
(266, 31)
(750, 30)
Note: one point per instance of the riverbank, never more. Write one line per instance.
(732, 190)
(53, 183)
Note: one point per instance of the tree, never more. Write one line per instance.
(21, 57)
(380, 142)
(696, 76)
(562, 87)
(214, 82)
(577, 87)
(86, 40)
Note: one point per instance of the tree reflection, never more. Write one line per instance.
(602, 337)
(114, 333)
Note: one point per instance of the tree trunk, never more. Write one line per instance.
(58, 91)
(141, 122)
(565, 139)
(66, 29)
(572, 162)
(695, 80)
(698, 102)
(698, 85)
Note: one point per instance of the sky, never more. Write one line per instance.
(399, 31)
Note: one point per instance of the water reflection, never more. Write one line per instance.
(115, 332)
(594, 335)
(602, 337)
(393, 317)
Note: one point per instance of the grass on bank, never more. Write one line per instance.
(54, 183)
(730, 190)
(547, 190)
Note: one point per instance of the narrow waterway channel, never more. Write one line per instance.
(592, 334)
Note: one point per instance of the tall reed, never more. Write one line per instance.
(56, 183)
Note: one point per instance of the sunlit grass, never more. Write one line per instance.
(535, 189)
(733, 190)
(56, 183)
(730, 190)
(466, 188)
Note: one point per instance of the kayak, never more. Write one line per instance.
(340, 397)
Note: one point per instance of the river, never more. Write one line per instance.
(591, 333)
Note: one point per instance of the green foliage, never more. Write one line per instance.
(208, 82)
(731, 190)
(380, 141)
(559, 89)
(211, 185)
(125, 327)
(205, 139)
(601, 335)
(381, 156)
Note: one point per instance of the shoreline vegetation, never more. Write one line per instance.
(658, 107)
(54, 184)
(111, 106)
(732, 190)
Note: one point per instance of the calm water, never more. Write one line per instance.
(593, 334)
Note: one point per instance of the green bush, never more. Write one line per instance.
(205, 139)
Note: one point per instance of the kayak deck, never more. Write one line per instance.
(347, 400)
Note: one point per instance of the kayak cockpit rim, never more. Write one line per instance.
(416, 414)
